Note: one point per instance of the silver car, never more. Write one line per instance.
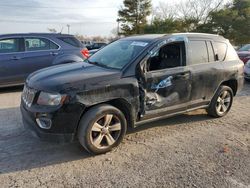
(247, 70)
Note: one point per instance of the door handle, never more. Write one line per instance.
(16, 58)
(54, 53)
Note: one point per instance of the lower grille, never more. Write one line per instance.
(28, 96)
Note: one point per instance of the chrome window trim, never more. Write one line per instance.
(31, 51)
(59, 47)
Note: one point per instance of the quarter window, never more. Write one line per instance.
(198, 52)
(37, 44)
(10, 45)
(221, 49)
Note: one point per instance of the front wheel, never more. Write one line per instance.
(101, 129)
(221, 102)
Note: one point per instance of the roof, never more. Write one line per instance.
(33, 34)
(152, 37)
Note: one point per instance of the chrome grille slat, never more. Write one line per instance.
(28, 95)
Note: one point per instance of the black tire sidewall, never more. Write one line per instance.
(90, 118)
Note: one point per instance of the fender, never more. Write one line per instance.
(66, 58)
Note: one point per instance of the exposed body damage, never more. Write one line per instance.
(161, 78)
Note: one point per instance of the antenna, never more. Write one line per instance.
(68, 28)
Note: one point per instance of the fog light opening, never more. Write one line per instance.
(44, 123)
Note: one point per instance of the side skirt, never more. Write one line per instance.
(139, 123)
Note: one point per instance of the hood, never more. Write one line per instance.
(70, 77)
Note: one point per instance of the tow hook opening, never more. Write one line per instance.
(43, 121)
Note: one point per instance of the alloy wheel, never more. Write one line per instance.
(223, 102)
(105, 131)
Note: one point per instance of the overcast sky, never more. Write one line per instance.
(86, 17)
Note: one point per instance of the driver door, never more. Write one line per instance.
(167, 81)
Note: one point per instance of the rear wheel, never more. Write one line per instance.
(101, 129)
(221, 102)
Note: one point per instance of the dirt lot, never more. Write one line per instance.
(191, 150)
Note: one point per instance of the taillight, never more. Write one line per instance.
(85, 52)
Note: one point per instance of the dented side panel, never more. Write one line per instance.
(167, 88)
(105, 91)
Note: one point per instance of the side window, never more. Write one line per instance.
(220, 50)
(72, 41)
(198, 53)
(211, 57)
(168, 56)
(10, 45)
(37, 44)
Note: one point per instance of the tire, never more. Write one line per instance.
(221, 103)
(101, 129)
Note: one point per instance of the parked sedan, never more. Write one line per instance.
(22, 54)
(244, 53)
(247, 71)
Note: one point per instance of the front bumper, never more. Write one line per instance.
(64, 124)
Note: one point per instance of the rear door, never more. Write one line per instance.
(39, 53)
(207, 71)
(11, 55)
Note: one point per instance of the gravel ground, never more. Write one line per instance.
(191, 150)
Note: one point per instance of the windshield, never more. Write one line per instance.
(118, 54)
(245, 48)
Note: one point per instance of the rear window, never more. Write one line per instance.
(72, 41)
(245, 48)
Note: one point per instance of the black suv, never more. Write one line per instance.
(22, 54)
(131, 81)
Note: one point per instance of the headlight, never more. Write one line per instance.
(49, 99)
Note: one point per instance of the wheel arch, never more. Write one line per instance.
(123, 105)
(233, 84)
(126, 108)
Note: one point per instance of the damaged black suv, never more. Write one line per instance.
(128, 82)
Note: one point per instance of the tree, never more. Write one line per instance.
(52, 30)
(233, 22)
(133, 16)
(161, 26)
(185, 16)
(196, 12)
